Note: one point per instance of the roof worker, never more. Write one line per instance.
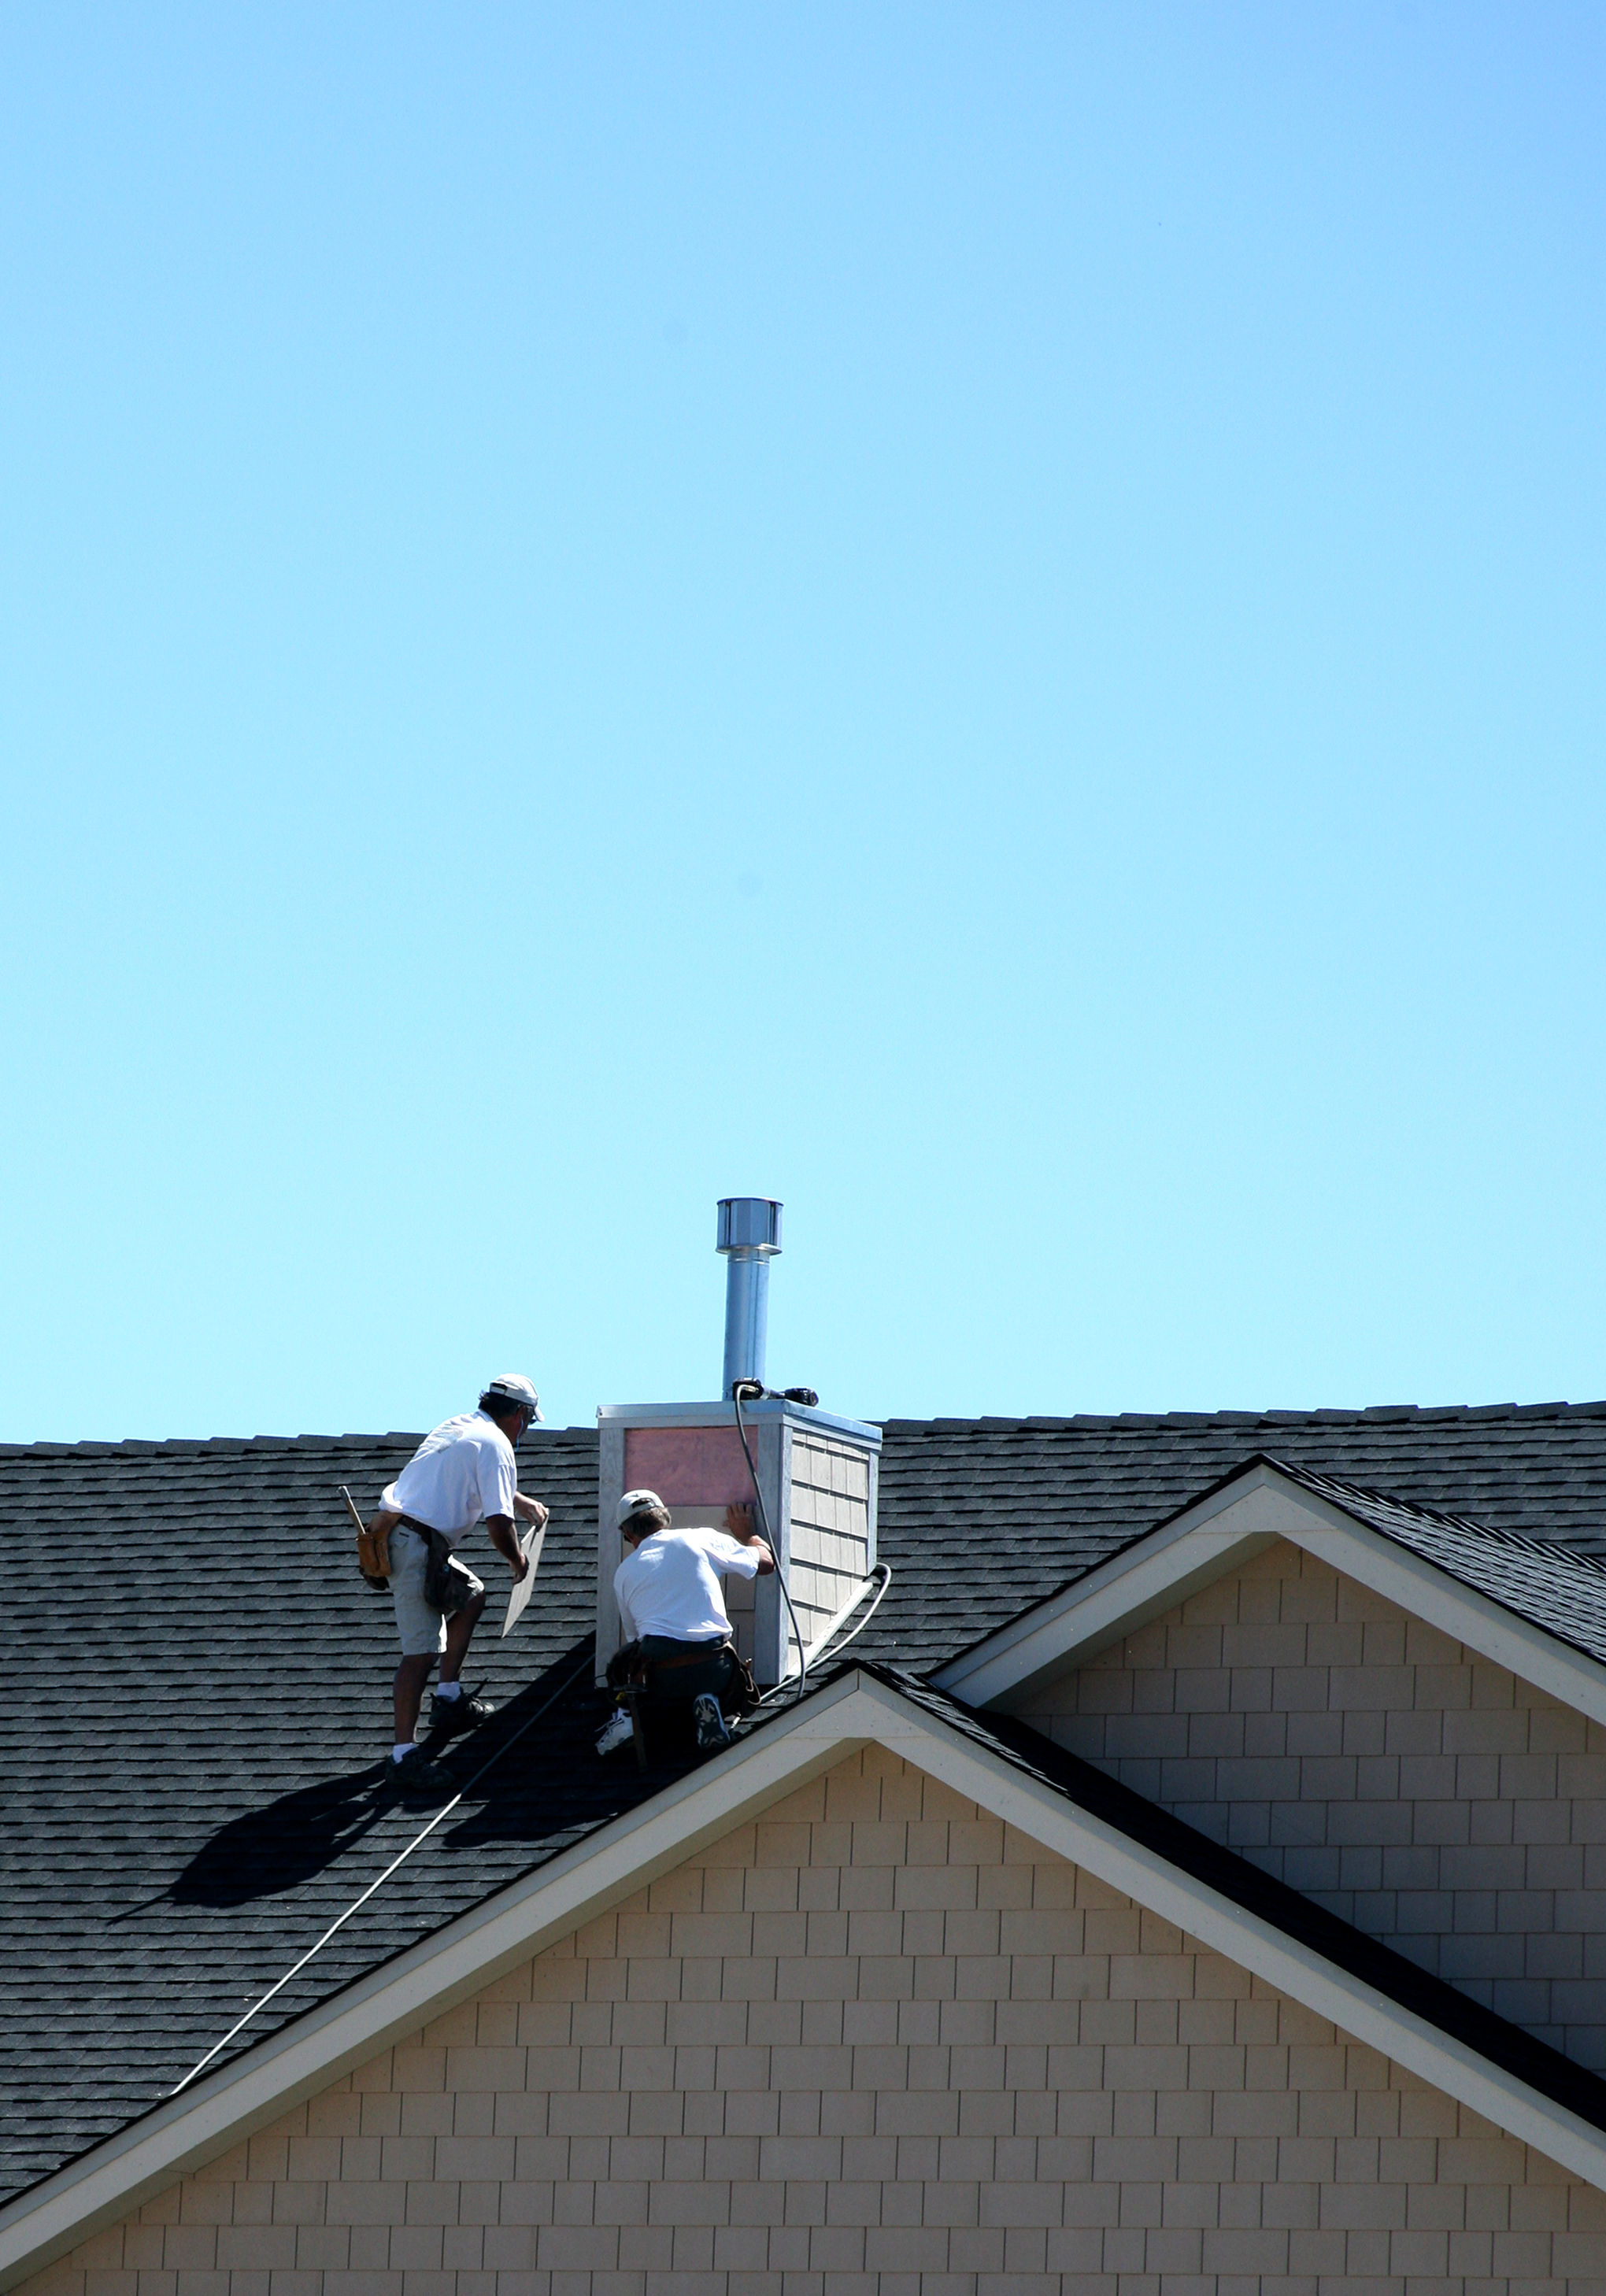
(670, 1599)
(462, 1472)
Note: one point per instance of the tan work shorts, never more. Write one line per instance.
(423, 1630)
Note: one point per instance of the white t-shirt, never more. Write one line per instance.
(461, 1471)
(670, 1584)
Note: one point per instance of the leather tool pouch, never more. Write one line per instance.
(448, 1585)
(624, 1666)
(373, 1557)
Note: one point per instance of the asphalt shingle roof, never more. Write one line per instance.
(979, 1519)
(192, 1780)
(1552, 1585)
(192, 1770)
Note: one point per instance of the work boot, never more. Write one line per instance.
(711, 1731)
(448, 1715)
(415, 1776)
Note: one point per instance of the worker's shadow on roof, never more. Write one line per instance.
(552, 1788)
(266, 1852)
(269, 1850)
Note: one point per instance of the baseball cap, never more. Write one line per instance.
(635, 1502)
(512, 1388)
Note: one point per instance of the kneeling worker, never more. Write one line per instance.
(669, 1597)
(460, 1474)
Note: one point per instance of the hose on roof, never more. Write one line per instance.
(881, 1571)
(357, 1903)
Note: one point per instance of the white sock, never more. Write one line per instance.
(448, 1691)
(397, 1751)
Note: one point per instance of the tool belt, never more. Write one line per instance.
(698, 1654)
(447, 1582)
(631, 1668)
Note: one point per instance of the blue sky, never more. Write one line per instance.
(985, 620)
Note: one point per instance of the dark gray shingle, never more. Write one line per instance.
(981, 1519)
(191, 1738)
(1553, 1584)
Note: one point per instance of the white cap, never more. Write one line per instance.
(512, 1388)
(635, 1502)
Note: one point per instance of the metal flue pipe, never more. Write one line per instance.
(749, 1234)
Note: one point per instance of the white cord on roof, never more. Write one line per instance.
(881, 1571)
(359, 1902)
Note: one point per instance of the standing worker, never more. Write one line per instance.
(462, 1472)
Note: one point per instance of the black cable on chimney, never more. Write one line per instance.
(755, 1388)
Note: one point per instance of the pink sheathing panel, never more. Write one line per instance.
(688, 1466)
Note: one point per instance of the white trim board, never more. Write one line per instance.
(1222, 1533)
(471, 1953)
(805, 1415)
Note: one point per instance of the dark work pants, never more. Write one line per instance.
(670, 1689)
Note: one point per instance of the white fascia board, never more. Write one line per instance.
(521, 1921)
(1222, 1534)
(1143, 1582)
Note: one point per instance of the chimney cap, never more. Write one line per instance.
(748, 1225)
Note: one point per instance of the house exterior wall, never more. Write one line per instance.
(876, 2044)
(1388, 1772)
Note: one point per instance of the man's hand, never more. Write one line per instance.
(505, 1538)
(531, 1510)
(739, 1522)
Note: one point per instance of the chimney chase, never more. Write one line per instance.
(817, 1470)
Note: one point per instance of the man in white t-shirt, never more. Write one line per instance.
(462, 1474)
(670, 1601)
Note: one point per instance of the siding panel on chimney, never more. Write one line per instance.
(831, 1533)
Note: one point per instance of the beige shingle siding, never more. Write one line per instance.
(829, 1528)
(875, 2045)
(1424, 1794)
